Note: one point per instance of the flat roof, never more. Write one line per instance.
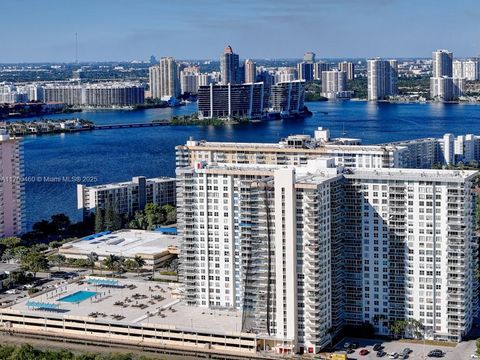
(126, 243)
(6, 268)
(129, 183)
(138, 302)
(413, 174)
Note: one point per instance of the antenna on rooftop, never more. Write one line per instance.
(76, 48)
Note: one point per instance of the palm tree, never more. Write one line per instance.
(57, 260)
(92, 259)
(111, 263)
(139, 262)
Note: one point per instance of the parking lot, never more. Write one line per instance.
(462, 351)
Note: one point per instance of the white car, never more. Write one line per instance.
(474, 356)
(393, 356)
(13, 291)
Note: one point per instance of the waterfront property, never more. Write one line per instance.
(154, 247)
(96, 95)
(134, 313)
(126, 197)
(298, 149)
(249, 101)
(149, 151)
(294, 150)
(287, 98)
(308, 250)
(12, 216)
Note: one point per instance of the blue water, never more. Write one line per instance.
(118, 155)
(78, 296)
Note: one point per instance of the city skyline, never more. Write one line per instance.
(254, 29)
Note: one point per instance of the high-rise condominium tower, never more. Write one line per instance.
(442, 63)
(164, 79)
(250, 71)
(305, 68)
(382, 79)
(230, 67)
(304, 251)
(445, 83)
(334, 83)
(349, 68)
(12, 218)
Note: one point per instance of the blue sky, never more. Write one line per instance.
(34, 30)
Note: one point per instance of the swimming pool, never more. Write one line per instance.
(78, 296)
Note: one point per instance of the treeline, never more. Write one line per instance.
(45, 234)
(28, 352)
(148, 219)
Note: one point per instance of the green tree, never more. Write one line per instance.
(55, 244)
(112, 219)
(154, 215)
(24, 352)
(92, 259)
(139, 262)
(44, 227)
(34, 262)
(113, 263)
(60, 222)
(10, 242)
(414, 328)
(19, 252)
(99, 221)
(397, 328)
(139, 221)
(57, 260)
(130, 265)
(170, 214)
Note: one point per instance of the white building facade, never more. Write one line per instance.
(12, 191)
(127, 197)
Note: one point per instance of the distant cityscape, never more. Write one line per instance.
(171, 82)
(253, 249)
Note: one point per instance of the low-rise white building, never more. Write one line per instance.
(126, 197)
(154, 247)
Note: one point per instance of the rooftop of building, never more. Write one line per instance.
(309, 145)
(131, 302)
(126, 243)
(323, 169)
(413, 174)
(129, 183)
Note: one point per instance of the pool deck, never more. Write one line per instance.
(78, 296)
(143, 302)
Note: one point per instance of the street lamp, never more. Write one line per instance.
(426, 332)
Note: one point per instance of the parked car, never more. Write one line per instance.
(435, 353)
(350, 351)
(381, 353)
(364, 352)
(407, 351)
(377, 347)
(393, 356)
